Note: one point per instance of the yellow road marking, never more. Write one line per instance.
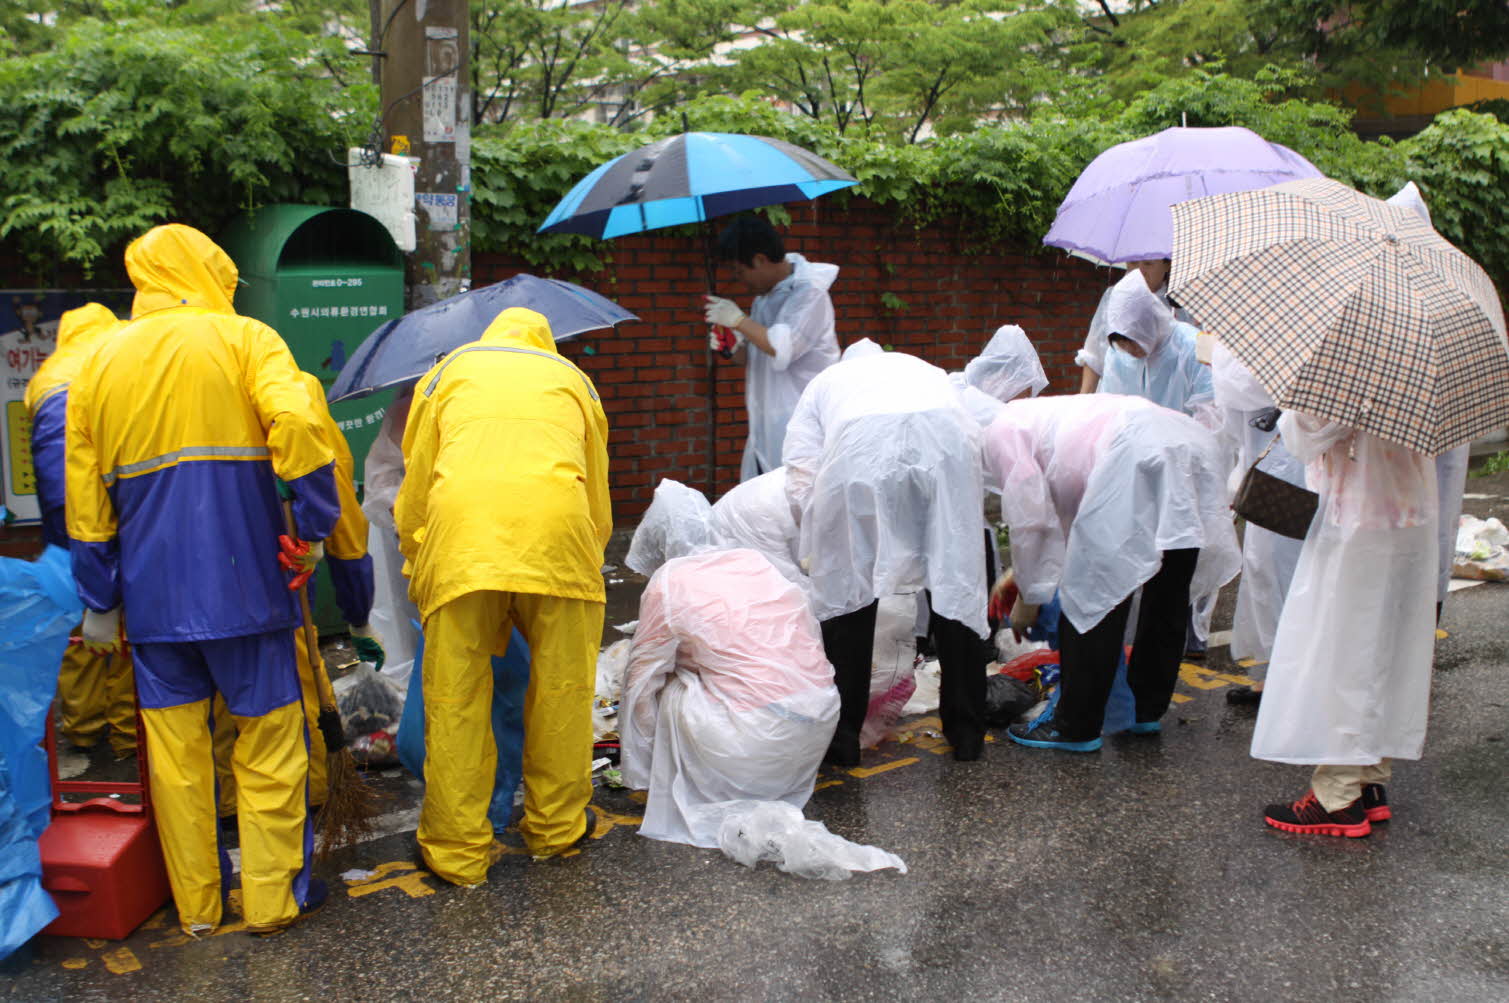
(606, 820)
(76, 963)
(1180, 698)
(827, 783)
(1441, 635)
(95, 942)
(411, 884)
(121, 961)
(863, 772)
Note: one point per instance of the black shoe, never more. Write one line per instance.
(842, 754)
(1307, 815)
(1044, 734)
(1375, 803)
(969, 750)
(1244, 696)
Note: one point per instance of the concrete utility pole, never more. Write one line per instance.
(426, 99)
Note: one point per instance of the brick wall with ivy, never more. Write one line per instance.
(919, 291)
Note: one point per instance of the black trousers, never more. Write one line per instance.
(849, 642)
(1088, 661)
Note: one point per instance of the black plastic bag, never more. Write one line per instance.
(1007, 699)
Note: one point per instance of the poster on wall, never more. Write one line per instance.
(28, 335)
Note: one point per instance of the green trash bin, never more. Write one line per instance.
(324, 278)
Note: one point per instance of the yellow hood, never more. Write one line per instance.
(176, 265)
(83, 324)
(517, 324)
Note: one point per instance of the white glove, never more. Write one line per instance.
(720, 311)
(102, 631)
(1023, 615)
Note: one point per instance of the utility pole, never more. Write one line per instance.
(426, 101)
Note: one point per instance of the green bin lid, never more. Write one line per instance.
(287, 235)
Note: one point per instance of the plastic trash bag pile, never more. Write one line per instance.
(1482, 550)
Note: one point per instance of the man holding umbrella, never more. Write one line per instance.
(789, 330)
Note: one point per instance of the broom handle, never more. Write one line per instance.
(311, 636)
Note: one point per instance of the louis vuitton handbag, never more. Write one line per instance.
(1273, 503)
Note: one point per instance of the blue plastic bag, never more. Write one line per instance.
(1121, 705)
(510, 682)
(39, 607)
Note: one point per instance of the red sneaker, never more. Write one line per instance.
(1375, 803)
(1308, 816)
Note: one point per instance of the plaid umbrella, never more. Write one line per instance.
(1348, 308)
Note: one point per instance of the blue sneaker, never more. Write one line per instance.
(1043, 734)
(1146, 727)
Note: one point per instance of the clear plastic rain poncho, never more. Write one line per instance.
(756, 515)
(1170, 374)
(1349, 681)
(883, 467)
(1008, 367)
(728, 696)
(1095, 487)
(393, 614)
(798, 319)
(1451, 468)
(1268, 559)
(675, 524)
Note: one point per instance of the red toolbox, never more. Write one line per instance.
(101, 859)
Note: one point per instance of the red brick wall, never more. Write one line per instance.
(652, 375)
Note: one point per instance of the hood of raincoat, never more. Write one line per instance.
(78, 330)
(1008, 365)
(521, 325)
(819, 273)
(176, 265)
(860, 349)
(677, 524)
(83, 324)
(1138, 314)
(1409, 197)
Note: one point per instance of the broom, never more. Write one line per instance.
(351, 804)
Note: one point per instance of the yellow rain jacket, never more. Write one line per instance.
(46, 400)
(176, 426)
(506, 487)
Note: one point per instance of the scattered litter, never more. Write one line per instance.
(925, 699)
(615, 581)
(613, 777)
(371, 707)
(1482, 550)
(1008, 648)
(753, 831)
(1473, 497)
(390, 774)
(612, 662)
(609, 568)
(1007, 699)
(627, 628)
(598, 764)
(356, 874)
(71, 764)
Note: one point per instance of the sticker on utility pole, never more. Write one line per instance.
(440, 208)
(442, 63)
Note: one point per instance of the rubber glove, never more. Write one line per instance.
(724, 340)
(299, 558)
(720, 311)
(368, 645)
(1002, 595)
(1023, 615)
(101, 633)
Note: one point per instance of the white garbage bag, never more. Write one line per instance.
(753, 831)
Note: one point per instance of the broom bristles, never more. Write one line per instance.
(350, 809)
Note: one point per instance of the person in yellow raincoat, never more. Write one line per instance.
(502, 520)
(350, 572)
(178, 427)
(95, 689)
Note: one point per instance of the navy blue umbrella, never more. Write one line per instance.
(691, 177)
(403, 350)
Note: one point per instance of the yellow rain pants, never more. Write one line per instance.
(225, 738)
(461, 758)
(95, 691)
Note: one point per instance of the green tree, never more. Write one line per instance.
(195, 112)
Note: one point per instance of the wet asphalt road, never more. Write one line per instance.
(1141, 872)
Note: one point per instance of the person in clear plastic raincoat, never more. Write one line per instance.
(96, 690)
(394, 616)
(179, 427)
(502, 519)
(789, 331)
(1268, 559)
(1007, 368)
(727, 696)
(1105, 495)
(757, 515)
(1153, 354)
(1348, 686)
(1451, 467)
(1091, 358)
(883, 475)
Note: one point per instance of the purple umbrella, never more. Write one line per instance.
(1117, 210)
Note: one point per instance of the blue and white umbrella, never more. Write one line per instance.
(689, 178)
(403, 350)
